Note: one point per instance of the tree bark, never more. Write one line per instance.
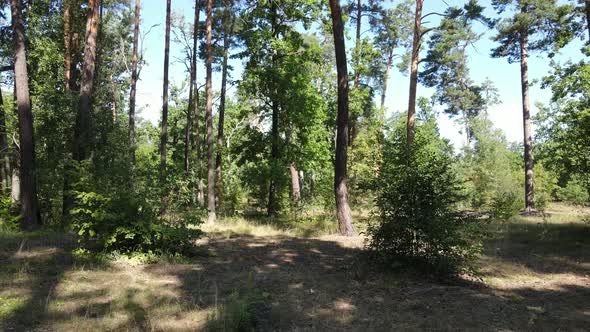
(82, 135)
(588, 18)
(164, 129)
(343, 211)
(133, 92)
(359, 13)
(67, 43)
(4, 153)
(414, 72)
(209, 116)
(227, 30)
(274, 149)
(385, 79)
(295, 188)
(526, 117)
(28, 185)
(197, 138)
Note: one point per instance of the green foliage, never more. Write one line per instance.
(504, 205)
(123, 221)
(419, 224)
(574, 192)
(9, 214)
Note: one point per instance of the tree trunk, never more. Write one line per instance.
(274, 149)
(414, 73)
(114, 98)
(82, 135)
(133, 83)
(15, 187)
(164, 132)
(227, 29)
(340, 187)
(75, 59)
(209, 118)
(28, 185)
(359, 13)
(295, 189)
(385, 79)
(587, 7)
(526, 117)
(196, 138)
(67, 43)
(4, 153)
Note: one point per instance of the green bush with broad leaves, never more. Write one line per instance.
(419, 225)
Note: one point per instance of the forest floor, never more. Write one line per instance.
(535, 275)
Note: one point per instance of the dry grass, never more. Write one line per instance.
(278, 275)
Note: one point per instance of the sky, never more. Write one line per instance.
(506, 77)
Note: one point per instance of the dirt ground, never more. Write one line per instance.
(535, 276)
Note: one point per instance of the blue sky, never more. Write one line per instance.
(506, 77)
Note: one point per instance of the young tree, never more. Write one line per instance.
(209, 119)
(133, 84)
(340, 188)
(530, 29)
(82, 134)
(164, 126)
(28, 185)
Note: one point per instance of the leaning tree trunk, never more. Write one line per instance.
(164, 129)
(29, 209)
(526, 117)
(227, 29)
(133, 83)
(82, 135)
(414, 73)
(340, 188)
(209, 119)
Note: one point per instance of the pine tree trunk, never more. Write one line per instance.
(227, 29)
(385, 81)
(67, 44)
(164, 128)
(526, 117)
(209, 119)
(82, 134)
(340, 187)
(274, 149)
(414, 73)
(133, 92)
(359, 13)
(295, 189)
(196, 138)
(28, 185)
(4, 153)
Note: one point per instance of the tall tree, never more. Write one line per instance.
(82, 135)
(67, 45)
(28, 184)
(415, 60)
(209, 119)
(228, 24)
(528, 30)
(196, 137)
(340, 188)
(164, 126)
(133, 83)
(4, 153)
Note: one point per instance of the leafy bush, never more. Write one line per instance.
(123, 221)
(9, 215)
(574, 192)
(504, 206)
(419, 225)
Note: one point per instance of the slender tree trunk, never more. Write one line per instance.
(113, 101)
(414, 72)
(295, 189)
(28, 185)
(82, 135)
(588, 18)
(133, 92)
(274, 149)
(357, 60)
(340, 188)
(385, 81)
(75, 59)
(67, 44)
(227, 29)
(196, 137)
(209, 119)
(4, 153)
(526, 117)
(164, 132)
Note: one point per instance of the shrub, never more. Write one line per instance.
(504, 206)
(574, 192)
(9, 214)
(419, 225)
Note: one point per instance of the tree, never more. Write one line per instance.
(530, 29)
(133, 84)
(415, 60)
(164, 125)
(28, 184)
(343, 211)
(209, 120)
(4, 154)
(82, 135)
